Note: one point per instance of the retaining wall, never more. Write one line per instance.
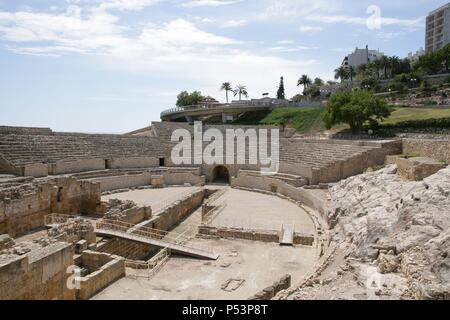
(108, 268)
(39, 275)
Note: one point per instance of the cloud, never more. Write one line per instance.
(175, 51)
(234, 23)
(310, 29)
(385, 21)
(206, 3)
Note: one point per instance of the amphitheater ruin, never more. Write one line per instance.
(96, 216)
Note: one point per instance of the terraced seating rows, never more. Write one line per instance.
(28, 149)
(318, 154)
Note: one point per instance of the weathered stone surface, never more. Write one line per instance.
(418, 168)
(404, 225)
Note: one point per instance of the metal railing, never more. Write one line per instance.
(172, 238)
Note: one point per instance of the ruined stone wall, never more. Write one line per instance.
(22, 212)
(36, 170)
(124, 181)
(39, 275)
(132, 162)
(180, 178)
(271, 291)
(436, 149)
(105, 270)
(253, 235)
(7, 168)
(128, 249)
(81, 165)
(172, 215)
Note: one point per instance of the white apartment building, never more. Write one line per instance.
(361, 56)
(437, 33)
(414, 57)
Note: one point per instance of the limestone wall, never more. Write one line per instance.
(20, 213)
(436, 149)
(35, 170)
(39, 275)
(132, 162)
(172, 215)
(271, 291)
(7, 168)
(81, 165)
(253, 235)
(124, 181)
(106, 269)
(180, 178)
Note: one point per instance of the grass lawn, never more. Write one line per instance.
(308, 120)
(407, 114)
(302, 119)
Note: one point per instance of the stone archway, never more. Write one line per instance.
(221, 174)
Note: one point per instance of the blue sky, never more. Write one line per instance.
(114, 65)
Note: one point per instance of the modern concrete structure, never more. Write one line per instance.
(437, 33)
(361, 56)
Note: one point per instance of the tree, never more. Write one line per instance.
(226, 86)
(351, 72)
(304, 81)
(280, 93)
(318, 82)
(341, 73)
(241, 90)
(185, 98)
(385, 63)
(355, 109)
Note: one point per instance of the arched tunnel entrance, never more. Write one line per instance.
(221, 175)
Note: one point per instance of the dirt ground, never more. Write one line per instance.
(240, 262)
(191, 279)
(251, 210)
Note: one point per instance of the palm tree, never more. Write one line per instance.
(351, 73)
(395, 63)
(226, 86)
(341, 73)
(384, 63)
(241, 91)
(304, 81)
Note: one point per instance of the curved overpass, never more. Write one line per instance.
(191, 113)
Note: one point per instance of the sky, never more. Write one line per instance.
(113, 66)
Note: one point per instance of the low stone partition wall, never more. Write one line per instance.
(180, 178)
(38, 275)
(36, 170)
(108, 269)
(253, 235)
(132, 162)
(81, 165)
(436, 149)
(124, 181)
(268, 293)
(234, 233)
(144, 178)
(176, 212)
